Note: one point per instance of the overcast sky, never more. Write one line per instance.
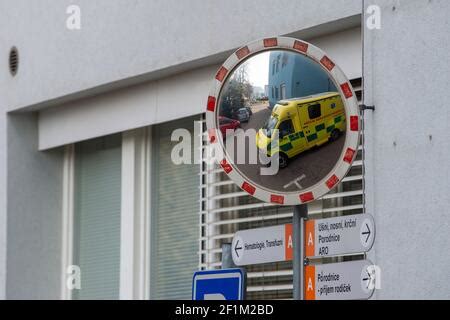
(258, 69)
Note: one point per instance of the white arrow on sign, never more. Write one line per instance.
(262, 245)
(339, 235)
(340, 281)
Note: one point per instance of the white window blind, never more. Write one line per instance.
(97, 217)
(225, 209)
(174, 216)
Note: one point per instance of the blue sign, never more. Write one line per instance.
(225, 284)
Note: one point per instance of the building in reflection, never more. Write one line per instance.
(292, 75)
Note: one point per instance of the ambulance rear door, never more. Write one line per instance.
(310, 117)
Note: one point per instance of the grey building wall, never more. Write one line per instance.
(406, 72)
(137, 40)
(34, 223)
(3, 215)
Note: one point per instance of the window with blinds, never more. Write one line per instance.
(225, 209)
(97, 217)
(174, 216)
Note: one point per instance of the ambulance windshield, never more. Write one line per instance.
(270, 125)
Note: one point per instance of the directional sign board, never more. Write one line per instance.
(225, 284)
(340, 235)
(340, 281)
(262, 245)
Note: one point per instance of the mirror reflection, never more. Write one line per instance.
(282, 120)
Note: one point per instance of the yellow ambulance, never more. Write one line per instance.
(302, 123)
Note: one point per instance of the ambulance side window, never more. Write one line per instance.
(314, 111)
(286, 128)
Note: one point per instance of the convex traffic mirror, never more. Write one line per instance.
(286, 118)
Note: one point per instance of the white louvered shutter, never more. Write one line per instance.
(175, 197)
(97, 217)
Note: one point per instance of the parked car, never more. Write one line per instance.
(250, 112)
(228, 124)
(243, 115)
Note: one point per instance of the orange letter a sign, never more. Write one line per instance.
(309, 238)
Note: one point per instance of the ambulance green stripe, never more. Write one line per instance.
(320, 127)
(286, 147)
(312, 137)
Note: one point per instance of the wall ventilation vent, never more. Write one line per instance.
(13, 61)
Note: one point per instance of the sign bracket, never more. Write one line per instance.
(298, 263)
(364, 107)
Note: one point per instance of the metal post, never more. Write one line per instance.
(228, 263)
(227, 258)
(300, 213)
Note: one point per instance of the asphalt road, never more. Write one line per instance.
(309, 167)
(261, 113)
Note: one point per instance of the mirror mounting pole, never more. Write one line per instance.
(298, 231)
(363, 107)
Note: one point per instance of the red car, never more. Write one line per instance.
(228, 124)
